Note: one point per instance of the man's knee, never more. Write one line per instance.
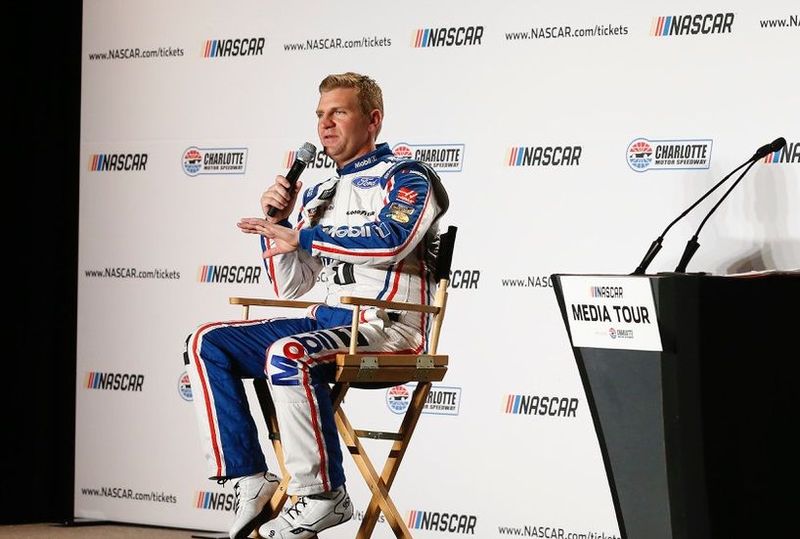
(201, 337)
(285, 359)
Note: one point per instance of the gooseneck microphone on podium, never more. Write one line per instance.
(655, 247)
(303, 157)
(692, 244)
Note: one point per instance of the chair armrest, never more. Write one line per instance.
(263, 302)
(393, 305)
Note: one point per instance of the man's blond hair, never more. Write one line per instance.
(369, 93)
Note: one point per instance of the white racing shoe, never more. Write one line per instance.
(309, 516)
(252, 495)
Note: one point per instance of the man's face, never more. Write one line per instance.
(344, 130)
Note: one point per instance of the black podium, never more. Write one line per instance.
(697, 438)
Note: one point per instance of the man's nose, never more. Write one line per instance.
(326, 121)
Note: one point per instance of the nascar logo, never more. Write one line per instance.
(248, 46)
(447, 37)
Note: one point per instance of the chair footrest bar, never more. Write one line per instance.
(377, 435)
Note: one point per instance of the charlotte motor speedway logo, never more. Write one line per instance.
(441, 157)
(197, 161)
(442, 400)
(644, 154)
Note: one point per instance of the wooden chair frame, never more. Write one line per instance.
(370, 370)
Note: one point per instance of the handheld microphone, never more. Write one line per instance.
(692, 244)
(655, 247)
(303, 157)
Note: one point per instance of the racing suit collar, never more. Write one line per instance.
(381, 151)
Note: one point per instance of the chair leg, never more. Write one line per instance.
(396, 454)
(379, 490)
(268, 410)
(337, 394)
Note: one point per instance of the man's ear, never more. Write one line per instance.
(375, 122)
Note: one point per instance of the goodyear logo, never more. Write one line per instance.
(441, 157)
(245, 46)
(198, 161)
(689, 154)
(455, 36)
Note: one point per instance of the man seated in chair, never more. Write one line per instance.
(367, 232)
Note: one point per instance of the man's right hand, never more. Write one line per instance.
(283, 239)
(280, 196)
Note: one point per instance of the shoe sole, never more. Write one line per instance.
(259, 519)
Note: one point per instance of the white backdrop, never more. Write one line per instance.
(152, 222)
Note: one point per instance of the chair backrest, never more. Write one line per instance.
(444, 259)
(386, 370)
(402, 368)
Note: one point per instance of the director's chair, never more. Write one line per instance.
(371, 371)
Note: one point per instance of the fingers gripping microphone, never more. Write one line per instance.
(302, 158)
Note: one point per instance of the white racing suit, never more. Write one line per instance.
(366, 232)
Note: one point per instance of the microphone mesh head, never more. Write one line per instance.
(777, 144)
(306, 153)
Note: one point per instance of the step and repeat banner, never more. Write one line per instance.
(568, 137)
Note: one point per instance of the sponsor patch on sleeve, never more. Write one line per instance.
(400, 212)
(409, 196)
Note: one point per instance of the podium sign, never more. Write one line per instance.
(611, 312)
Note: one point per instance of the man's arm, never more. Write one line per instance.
(409, 209)
(291, 272)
